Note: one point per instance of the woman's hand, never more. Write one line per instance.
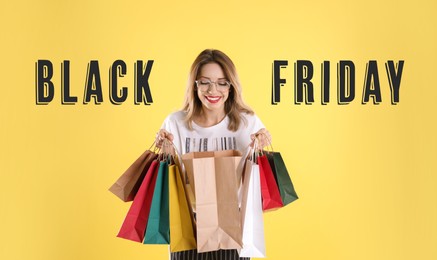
(263, 136)
(161, 136)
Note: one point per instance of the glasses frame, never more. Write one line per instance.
(217, 86)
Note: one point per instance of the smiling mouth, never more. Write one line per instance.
(212, 99)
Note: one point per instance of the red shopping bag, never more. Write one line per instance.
(135, 223)
(271, 197)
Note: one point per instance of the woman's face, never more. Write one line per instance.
(214, 97)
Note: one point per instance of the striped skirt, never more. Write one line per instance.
(230, 254)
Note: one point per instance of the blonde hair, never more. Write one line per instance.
(234, 105)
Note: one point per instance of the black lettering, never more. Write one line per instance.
(118, 69)
(303, 74)
(277, 82)
(346, 82)
(394, 78)
(65, 84)
(325, 82)
(45, 90)
(372, 76)
(142, 88)
(93, 76)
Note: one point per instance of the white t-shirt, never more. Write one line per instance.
(214, 138)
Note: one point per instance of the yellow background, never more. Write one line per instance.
(366, 174)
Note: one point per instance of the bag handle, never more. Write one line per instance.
(268, 142)
(175, 157)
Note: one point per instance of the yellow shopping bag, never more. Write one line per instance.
(181, 225)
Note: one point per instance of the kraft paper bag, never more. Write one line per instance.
(213, 175)
(134, 224)
(129, 182)
(283, 180)
(158, 224)
(252, 213)
(181, 225)
(271, 197)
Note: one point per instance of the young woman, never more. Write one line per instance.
(214, 117)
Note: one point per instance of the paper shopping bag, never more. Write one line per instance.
(158, 224)
(181, 225)
(135, 222)
(271, 197)
(283, 180)
(214, 178)
(252, 213)
(129, 182)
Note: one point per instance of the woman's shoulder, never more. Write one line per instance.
(252, 121)
(176, 116)
(175, 119)
(250, 117)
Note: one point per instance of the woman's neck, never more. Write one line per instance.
(209, 118)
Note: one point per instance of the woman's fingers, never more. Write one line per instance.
(263, 137)
(161, 136)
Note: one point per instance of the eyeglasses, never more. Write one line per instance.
(220, 85)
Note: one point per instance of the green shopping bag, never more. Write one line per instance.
(283, 180)
(158, 224)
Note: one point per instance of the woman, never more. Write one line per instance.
(214, 117)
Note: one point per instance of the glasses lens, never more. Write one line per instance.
(222, 83)
(204, 84)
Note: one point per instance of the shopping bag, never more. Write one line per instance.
(214, 179)
(135, 222)
(283, 180)
(129, 182)
(252, 213)
(158, 224)
(271, 197)
(181, 226)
